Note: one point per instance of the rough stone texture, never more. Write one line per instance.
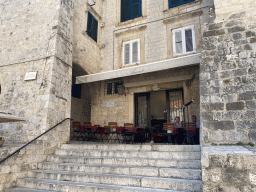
(18, 166)
(38, 40)
(227, 60)
(228, 113)
(228, 168)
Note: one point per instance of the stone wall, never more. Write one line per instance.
(19, 165)
(227, 88)
(229, 169)
(36, 40)
(227, 77)
(87, 52)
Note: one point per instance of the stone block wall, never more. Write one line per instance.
(227, 78)
(19, 165)
(229, 169)
(87, 52)
(36, 40)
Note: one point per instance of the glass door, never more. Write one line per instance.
(142, 110)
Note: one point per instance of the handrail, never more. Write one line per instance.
(33, 140)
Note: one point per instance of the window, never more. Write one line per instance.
(131, 52)
(76, 91)
(111, 86)
(175, 3)
(183, 40)
(92, 27)
(130, 9)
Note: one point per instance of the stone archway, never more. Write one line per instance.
(81, 99)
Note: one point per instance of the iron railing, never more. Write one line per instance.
(32, 140)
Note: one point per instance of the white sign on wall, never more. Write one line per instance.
(30, 76)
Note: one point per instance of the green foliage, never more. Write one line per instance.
(1, 138)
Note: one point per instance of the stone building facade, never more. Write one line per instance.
(55, 43)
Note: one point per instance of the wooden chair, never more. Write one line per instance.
(190, 133)
(170, 131)
(114, 135)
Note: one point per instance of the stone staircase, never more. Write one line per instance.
(117, 168)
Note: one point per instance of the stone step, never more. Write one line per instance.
(140, 154)
(127, 147)
(145, 162)
(56, 185)
(124, 170)
(26, 190)
(123, 180)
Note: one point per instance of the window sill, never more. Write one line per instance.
(131, 21)
(185, 54)
(131, 65)
(90, 39)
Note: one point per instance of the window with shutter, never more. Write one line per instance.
(127, 53)
(178, 41)
(92, 27)
(175, 3)
(135, 52)
(183, 40)
(131, 52)
(130, 9)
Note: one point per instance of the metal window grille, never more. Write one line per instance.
(111, 86)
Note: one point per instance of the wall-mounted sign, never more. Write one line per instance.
(30, 76)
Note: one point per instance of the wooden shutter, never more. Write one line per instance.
(92, 27)
(178, 42)
(175, 3)
(135, 50)
(126, 53)
(189, 40)
(125, 10)
(135, 8)
(89, 23)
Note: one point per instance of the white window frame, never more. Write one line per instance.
(131, 51)
(183, 40)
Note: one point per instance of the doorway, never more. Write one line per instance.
(152, 109)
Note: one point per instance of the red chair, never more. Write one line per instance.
(129, 132)
(140, 135)
(77, 133)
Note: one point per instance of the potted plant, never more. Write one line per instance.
(1, 141)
